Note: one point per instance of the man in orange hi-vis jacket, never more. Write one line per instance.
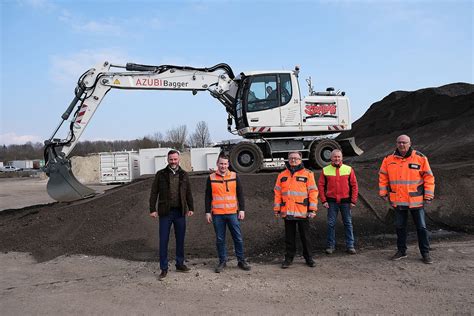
(296, 200)
(407, 182)
(225, 207)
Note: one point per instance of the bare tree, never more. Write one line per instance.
(158, 137)
(201, 136)
(177, 136)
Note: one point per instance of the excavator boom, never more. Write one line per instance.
(91, 88)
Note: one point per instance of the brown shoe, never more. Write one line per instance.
(351, 251)
(427, 258)
(163, 275)
(182, 268)
(244, 265)
(399, 255)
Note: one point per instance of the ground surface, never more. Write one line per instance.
(366, 283)
(16, 192)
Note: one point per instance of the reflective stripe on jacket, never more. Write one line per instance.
(295, 194)
(224, 193)
(338, 184)
(406, 180)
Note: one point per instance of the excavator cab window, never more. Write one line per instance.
(286, 91)
(262, 93)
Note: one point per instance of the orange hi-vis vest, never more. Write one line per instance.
(406, 180)
(224, 193)
(295, 194)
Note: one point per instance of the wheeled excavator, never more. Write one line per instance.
(266, 108)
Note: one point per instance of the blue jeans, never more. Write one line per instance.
(345, 209)
(176, 218)
(401, 217)
(220, 222)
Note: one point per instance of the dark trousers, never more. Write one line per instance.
(290, 238)
(401, 217)
(176, 218)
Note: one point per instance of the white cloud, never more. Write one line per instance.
(65, 70)
(13, 138)
(108, 27)
(154, 23)
(38, 4)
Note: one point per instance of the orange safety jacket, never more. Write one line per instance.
(295, 194)
(406, 180)
(224, 193)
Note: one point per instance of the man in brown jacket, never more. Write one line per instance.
(175, 201)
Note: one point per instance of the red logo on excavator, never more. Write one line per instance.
(320, 110)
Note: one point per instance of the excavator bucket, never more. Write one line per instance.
(63, 185)
(349, 147)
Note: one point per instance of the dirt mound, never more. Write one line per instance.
(117, 224)
(438, 120)
(86, 169)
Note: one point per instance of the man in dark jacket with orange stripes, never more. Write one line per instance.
(407, 182)
(338, 190)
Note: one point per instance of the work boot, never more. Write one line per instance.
(310, 263)
(399, 255)
(286, 264)
(427, 258)
(244, 265)
(182, 268)
(163, 275)
(351, 251)
(329, 251)
(220, 267)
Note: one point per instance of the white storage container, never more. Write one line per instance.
(203, 159)
(153, 159)
(22, 164)
(119, 167)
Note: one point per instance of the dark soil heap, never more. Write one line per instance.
(439, 121)
(117, 224)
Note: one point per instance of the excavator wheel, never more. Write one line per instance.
(246, 158)
(320, 152)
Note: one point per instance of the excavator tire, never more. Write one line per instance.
(246, 158)
(320, 152)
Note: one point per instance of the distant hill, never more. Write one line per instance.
(440, 122)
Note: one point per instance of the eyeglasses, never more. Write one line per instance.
(403, 143)
(294, 158)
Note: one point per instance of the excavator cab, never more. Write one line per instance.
(264, 100)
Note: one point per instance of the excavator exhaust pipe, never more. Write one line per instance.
(62, 184)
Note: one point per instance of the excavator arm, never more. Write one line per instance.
(91, 89)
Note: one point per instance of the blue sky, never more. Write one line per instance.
(366, 48)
